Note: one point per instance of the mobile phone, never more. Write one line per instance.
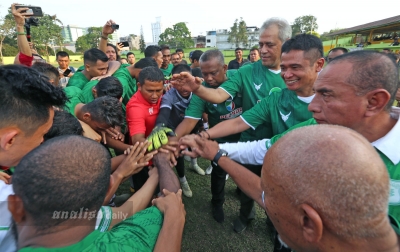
(67, 72)
(125, 43)
(115, 26)
(33, 11)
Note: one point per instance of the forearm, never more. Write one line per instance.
(247, 181)
(116, 144)
(170, 237)
(23, 41)
(212, 95)
(137, 202)
(227, 128)
(185, 127)
(117, 179)
(246, 152)
(168, 179)
(116, 161)
(138, 138)
(163, 115)
(113, 66)
(103, 42)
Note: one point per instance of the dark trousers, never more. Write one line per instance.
(180, 167)
(247, 211)
(217, 185)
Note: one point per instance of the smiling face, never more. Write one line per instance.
(297, 71)
(270, 47)
(238, 55)
(335, 100)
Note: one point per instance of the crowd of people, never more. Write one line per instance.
(311, 139)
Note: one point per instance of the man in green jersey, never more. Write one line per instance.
(96, 64)
(253, 82)
(79, 196)
(324, 188)
(301, 61)
(351, 92)
(215, 72)
(166, 66)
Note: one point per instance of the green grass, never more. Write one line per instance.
(203, 233)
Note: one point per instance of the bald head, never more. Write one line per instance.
(335, 171)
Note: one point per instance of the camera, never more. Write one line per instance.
(32, 21)
(115, 26)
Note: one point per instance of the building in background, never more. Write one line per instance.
(219, 38)
(133, 40)
(71, 33)
(156, 29)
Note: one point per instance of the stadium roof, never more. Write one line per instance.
(380, 25)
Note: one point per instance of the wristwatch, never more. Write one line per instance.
(220, 153)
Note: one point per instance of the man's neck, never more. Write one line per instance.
(28, 236)
(305, 91)
(239, 60)
(78, 111)
(86, 74)
(164, 67)
(63, 68)
(376, 127)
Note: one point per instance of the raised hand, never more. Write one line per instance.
(107, 29)
(200, 147)
(184, 81)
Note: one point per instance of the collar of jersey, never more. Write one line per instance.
(388, 144)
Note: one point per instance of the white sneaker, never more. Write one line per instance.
(209, 170)
(186, 189)
(197, 169)
(227, 176)
(187, 158)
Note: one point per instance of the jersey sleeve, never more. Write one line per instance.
(136, 120)
(167, 100)
(233, 85)
(140, 231)
(259, 114)
(196, 108)
(25, 59)
(104, 218)
(163, 115)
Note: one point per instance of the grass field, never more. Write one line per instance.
(202, 233)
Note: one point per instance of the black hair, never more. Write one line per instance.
(255, 49)
(151, 50)
(105, 110)
(164, 47)
(64, 123)
(93, 55)
(175, 53)
(109, 86)
(196, 55)
(146, 62)
(62, 54)
(238, 49)
(179, 50)
(26, 97)
(50, 71)
(129, 53)
(367, 72)
(180, 68)
(116, 51)
(344, 50)
(48, 183)
(310, 44)
(151, 74)
(213, 54)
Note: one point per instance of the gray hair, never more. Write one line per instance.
(213, 54)
(285, 30)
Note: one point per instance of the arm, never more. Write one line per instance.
(226, 128)
(168, 179)
(116, 144)
(185, 127)
(246, 152)
(116, 161)
(135, 120)
(138, 138)
(186, 82)
(107, 30)
(247, 181)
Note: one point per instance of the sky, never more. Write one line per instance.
(206, 15)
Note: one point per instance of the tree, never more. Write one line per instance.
(324, 36)
(7, 27)
(238, 33)
(304, 24)
(177, 37)
(89, 40)
(142, 44)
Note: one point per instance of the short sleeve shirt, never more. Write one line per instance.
(141, 116)
(128, 84)
(137, 233)
(253, 82)
(167, 73)
(177, 104)
(279, 111)
(73, 95)
(77, 80)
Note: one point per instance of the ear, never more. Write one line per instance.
(225, 68)
(377, 101)
(16, 207)
(320, 64)
(87, 67)
(87, 117)
(311, 224)
(94, 92)
(7, 138)
(139, 86)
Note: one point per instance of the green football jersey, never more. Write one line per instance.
(254, 82)
(77, 80)
(279, 111)
(167, 73)
(86, 95)
(137, 233)
(73, 94)
(217, 113)
(128, 84)
(80, 69)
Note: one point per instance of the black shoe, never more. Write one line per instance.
(218, 213)
(239, 225)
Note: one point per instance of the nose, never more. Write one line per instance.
(314, 106)
(287, 74)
